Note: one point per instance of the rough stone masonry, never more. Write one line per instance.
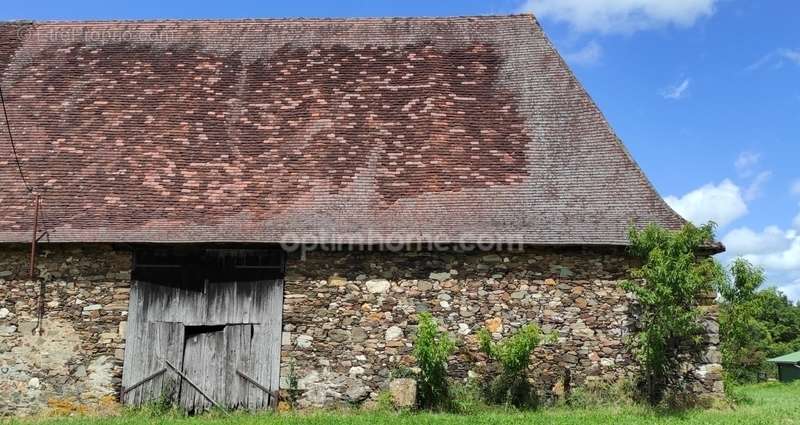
(349, 317)
(77, 362)
(348, 320)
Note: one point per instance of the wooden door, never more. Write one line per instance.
(224, 337)
(209, 315)
(203, 364)
(149, 347)
(231, 366)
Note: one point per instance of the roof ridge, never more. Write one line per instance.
(305, 20)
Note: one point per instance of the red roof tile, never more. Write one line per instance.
(445, 130)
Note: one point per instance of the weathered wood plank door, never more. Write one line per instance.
(153, 343)
(238, 347)
(204, 365)
(224, 337)
(263, 361)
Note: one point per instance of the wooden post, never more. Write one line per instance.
(211, 400)
(273, 398)
(136, 385)
(32, 270)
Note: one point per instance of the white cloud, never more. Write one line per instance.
(721, 203)
(796, 222)
(677, 91)
(774, 249)
(791, 290)
(754, 189)
(795, 189)
(588, 55)
(746, 162)
(787, 260)
(776, 59)
(621, 16)
(744, 241)
(790, 54)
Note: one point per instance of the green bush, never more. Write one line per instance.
(293, 392)
(513, 355)
(465, 398)
(431, 349)
(675, 273)
(597, 393)
(754, 324)
(384, 402)
(401, 371)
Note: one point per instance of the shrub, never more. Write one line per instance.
(293, 392)
(431, 349)
(513, 355)
(384, 402)
(673, 276)
(754, 324)
(401, 371)
(595, 393)
(465, 398)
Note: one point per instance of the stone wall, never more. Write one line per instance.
(77, 363)
(705, 374)
(348, 320)
(349, 316)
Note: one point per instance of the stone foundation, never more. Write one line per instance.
(348, 320)
(76, 365)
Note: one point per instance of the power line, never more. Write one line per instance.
(13, 146)
(17, 161)
(21, 173)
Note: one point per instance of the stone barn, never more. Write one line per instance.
(212, 209)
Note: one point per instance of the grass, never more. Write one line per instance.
(770, 403)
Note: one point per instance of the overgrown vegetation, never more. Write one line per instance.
(293, 392)
(511, 385)
(596, 393)
(767, 404)
(754, 324)
(431, 349)
(466, 398)
(673, 277)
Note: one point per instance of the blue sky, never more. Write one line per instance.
(705, 93)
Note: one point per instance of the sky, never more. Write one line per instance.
(704, 93)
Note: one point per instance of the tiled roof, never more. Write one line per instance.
(445, 130)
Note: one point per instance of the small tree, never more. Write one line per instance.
(744, 280)
(747, 339)
(432, 349)
(673, 276)
(511, 386)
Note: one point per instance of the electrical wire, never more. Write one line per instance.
(37, 200)
(28, 187)
(13, 146)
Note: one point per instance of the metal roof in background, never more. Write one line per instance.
(791, 358)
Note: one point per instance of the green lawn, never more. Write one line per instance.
(771, 403)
